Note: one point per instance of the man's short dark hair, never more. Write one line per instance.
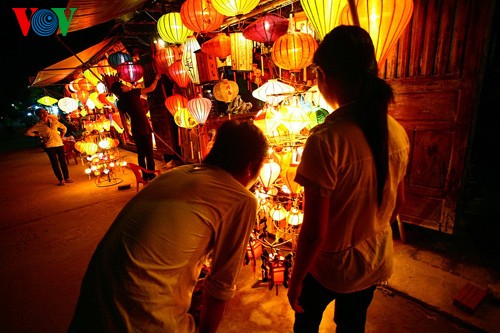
(38, 112)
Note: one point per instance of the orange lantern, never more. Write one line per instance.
(219, 46)
(294, 51)
(175, 102)
(226, 90)
(104, 68)
(171, 29)
(200, 16)
(179, 74)
(234, 7)
(166, 57)
(83, 96)
(324, 15)
(199, 108)
(266, 29)
(385, 21)
(207, 67)
(84, 84)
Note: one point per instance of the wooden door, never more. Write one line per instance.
(436, 72)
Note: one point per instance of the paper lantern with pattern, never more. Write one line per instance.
(67, 104)
(234, 7)
(324, 15)
(294, 51)
(189, 59)
(385, 21)
(266, 29)
(241, 52)
(171, 29)
(184, 119)
(200, 16)
(226, 90)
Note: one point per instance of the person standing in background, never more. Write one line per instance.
(130, 102)
(352, 170)
(48, 130)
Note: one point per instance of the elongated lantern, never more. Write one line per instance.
(199, 108)
(189, 59)
(241, 52)
(385, 21)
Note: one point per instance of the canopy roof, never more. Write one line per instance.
(62, 69)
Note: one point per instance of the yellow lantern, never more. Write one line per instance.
(234, 7)
(171, 29)
(184, 119)
(93, 76)
(94, 97)
(90, 148)
(226, 90)
(323, 14)
(47, 100)
(241, 52)
(294, 118)
(385, 21)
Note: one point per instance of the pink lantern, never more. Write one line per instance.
(130, 72)
(266, 29)
(199, 108)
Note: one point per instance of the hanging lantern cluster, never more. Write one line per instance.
(266, 29)
(199, 108)
(324, 15)
(385, 21)
(234, 7)
(171, 29)
(200, 16)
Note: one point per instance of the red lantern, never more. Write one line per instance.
(118, 58)
(130, 72)
(179, 74)
(166, 57)
(207, 67)
(266, 29)
(294, 51)
(200, 16)
(219, 46)
(199, 108)
(84, 84)
(175, 102)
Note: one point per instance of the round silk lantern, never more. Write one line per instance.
(179, 74)
(104, 68)
(176, 102)
(269, 173)
(184, 119)
(266, 29)
(294, 51)
(200, 16)
(171, 29)
(226, 90)
(166, 57)
(385, 21)
(199, 108)
(234, 7)
(219, 46)
(130, 72)
(47, 100)
(324, 15)
(84, 84)
(79, 146)
(90, 148)
(118, 58)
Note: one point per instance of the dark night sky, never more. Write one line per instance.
(24, 56)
